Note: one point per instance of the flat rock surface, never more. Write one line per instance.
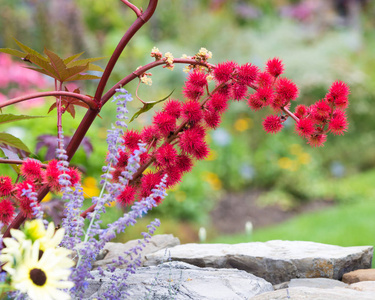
(156, 243)
(321, 283)
(275, 261)
(359, 275)
(179, 281)
(306, 293)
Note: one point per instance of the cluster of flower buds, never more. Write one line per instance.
(177, 134)
(20, 194)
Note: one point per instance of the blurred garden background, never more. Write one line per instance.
(285, 188)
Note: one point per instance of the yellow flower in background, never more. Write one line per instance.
(212, 155)
(213, 180)
(243, 124)
(287, 163)
(90, 188)
(304, 158)
(295, 149)
(47, 198)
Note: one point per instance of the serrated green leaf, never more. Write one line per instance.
(83, 77)
(147, 106)
(93, 67)
(83, 62)
(73, 71)
(13, 52)
(58, 64)
(40, 71)
(13, 141)
(43, 64)
(73, 57)
(30, 51)
(6, 118)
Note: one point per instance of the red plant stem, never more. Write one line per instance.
(138, 23)
(88, 100)
(292, 115)
(137, 11)
(16, 162)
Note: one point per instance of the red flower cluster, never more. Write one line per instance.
(177, 135)
(12, 195)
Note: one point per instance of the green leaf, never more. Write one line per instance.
(73, 57)
(30, 51)
(93, 67)
(13, 52)
(11, 140)
(6, 118)
(147, 106)
(73, 71)
(83, 77)
(58, 64)
(43, 64)
(83, 62)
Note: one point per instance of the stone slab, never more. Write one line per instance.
(180, 281)
(275, 261)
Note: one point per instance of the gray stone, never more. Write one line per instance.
(114, 250)
(306, 293)
(321, 283)
(275, 261)
(180, 281)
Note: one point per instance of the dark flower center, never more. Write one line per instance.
(38, 276)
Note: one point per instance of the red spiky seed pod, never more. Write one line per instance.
(247, 74)
(31, 169)
(317, 140)
(6, 211)
(51, 176)
(149, 182)
(151, 135)
(272, 124)
(338, 124)
(184, 163)
(264, 79)
(6, 186)
(300, 111)
(286, 89)
(131, 139)
(166, 156)
(164, 122)
(219, 102)
(127, 196)
(305, 127)
(238, 91)
(223, 71)
(275, 67)
(192, 111)
(192, 92)
(173, 108)
(197, 78)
